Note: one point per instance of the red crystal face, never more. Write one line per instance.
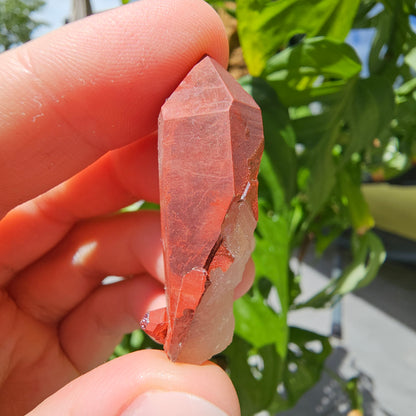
(210, 146)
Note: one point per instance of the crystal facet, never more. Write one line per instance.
(210, 145)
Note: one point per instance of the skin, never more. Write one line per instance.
(78, 116)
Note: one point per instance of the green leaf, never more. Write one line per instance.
(410, 58)
(266, 26)
(305, 361)
(322, 172)
(294, 72)
(141, 205)
(353, 122)
(270, 189)
(136, 340)
(394, 39)
(369, 111)
(332, 221)
(279, 135)
(340, 23)
(16, 21)
(308, 351)
(271, 257)
(219, 3)
(258, 323)
(368, 256)
(407, 88)
(310, 127)
(360, 215)
(352, 388)
(384, 24)
(271, 254)
(255, 374)
(353, 117)
(294, 286)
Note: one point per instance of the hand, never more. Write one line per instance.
(78, 115)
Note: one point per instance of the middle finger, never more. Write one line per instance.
(118, 179)
(124, 245)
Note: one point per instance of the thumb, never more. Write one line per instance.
(145, 383)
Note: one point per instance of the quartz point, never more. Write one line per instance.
(210, 146)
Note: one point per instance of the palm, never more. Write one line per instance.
(60, 320)
(34, 364)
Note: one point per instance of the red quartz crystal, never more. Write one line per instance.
(210, 145)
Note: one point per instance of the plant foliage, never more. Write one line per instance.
(16, 23)
(330, 120)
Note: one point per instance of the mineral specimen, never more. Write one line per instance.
(210, 145)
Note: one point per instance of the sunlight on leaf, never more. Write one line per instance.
(266, 27)
(368, 256)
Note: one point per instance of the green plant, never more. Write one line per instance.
(328, 124)
(16, 23)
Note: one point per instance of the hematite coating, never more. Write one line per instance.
(210, 146)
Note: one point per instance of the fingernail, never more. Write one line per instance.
(171, 403)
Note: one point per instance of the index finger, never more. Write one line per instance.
(94, 85)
